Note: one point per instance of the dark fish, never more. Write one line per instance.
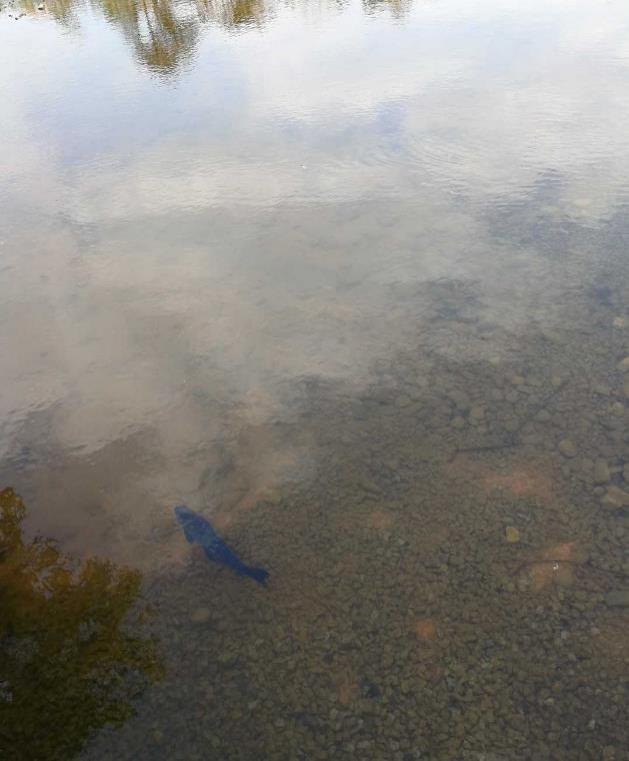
(197, 529)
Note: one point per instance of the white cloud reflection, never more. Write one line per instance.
(488, 96)
(178, 247)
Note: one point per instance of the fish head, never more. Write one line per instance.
(192, 524)
(184, 514)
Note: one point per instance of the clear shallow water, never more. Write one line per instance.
(352, 280)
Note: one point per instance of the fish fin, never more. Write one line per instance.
(259, 574)
(189, 533)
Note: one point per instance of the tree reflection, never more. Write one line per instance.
(161, 38)
(162, 33)
(397, 8)
(233, 14)
(68, 661)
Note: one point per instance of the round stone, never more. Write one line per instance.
(512, 535)
(601, 472)
(623, 365)
(200, 615)
(567, 448)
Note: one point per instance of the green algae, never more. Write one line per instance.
(69, 662)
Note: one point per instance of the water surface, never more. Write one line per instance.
(350, 279)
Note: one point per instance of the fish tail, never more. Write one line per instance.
(259, 574)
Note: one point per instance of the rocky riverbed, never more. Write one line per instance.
(451, 582)
(351, 280)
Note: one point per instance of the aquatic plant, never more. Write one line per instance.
(69, 662)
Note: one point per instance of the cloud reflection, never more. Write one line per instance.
(272, 205)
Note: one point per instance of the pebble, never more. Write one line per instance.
(458, 422)
(200, 615)
(625, 473)
(477, 412)
(564, 576)
(512, 535)
(271, 497)
(567, 448)
(403, 401)
(601, 389)
(615, 497)
(460, 399)
(601, 472)
(623, 365)
(617, 598)
(618, 409)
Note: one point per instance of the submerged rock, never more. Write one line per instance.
(601, 472)
(512, 535)
(617, 409)
(617, 598)
(200, 615)
(477, 412)
(567, 448)
(615, 498)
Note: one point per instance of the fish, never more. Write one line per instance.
(198, 530)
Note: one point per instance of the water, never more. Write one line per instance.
(350, 279)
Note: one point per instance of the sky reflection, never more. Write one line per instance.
(203, 202)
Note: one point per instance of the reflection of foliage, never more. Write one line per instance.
(62, 11)
(160, 38)
(67, 665)
(397, 8)
(163, 33)
(233, 13)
